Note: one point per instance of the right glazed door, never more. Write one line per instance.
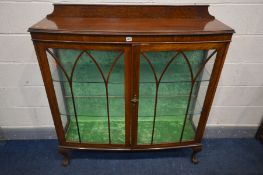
(172, 85)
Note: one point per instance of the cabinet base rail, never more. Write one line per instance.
(65, 151)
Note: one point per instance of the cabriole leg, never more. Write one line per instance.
(195, 151)
(65, 154)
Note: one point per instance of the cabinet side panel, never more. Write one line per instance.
(219, 62)
(46, 75)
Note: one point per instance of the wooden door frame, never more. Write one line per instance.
(41, 48)
(220, 47)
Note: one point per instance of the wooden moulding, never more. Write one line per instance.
(130, 20)
(130, 11)
(85, 38)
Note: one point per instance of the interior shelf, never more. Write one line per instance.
(165, 106)
(91, 74)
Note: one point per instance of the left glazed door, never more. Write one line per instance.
(91, 85)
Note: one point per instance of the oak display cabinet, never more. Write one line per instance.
(129, 77)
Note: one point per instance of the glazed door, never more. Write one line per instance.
(91, 86)
(170, 88)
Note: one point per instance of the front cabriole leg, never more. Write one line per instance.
(65, 154)
(195, 149)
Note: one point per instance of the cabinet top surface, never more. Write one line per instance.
(130, 20)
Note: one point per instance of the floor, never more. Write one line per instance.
(219, 156)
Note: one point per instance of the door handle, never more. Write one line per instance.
(135, 99)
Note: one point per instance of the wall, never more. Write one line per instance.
(239, 98)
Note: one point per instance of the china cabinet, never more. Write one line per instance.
(130, 77)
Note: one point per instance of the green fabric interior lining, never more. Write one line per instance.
(90, 97)
(95, 130)
(173, 95)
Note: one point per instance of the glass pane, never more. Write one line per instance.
(89, 87)
(172, 90)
